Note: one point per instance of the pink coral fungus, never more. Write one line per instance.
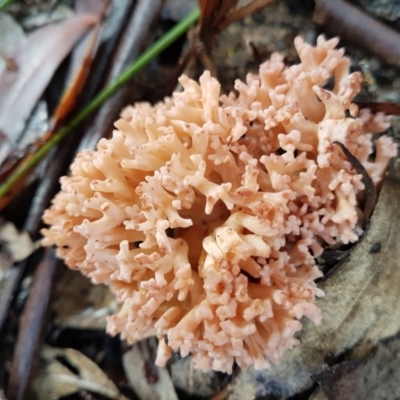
(205, 212)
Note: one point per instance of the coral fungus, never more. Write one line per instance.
(205, 212)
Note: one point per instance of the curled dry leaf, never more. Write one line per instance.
(55, 379)
(360, 307)
(37, 58)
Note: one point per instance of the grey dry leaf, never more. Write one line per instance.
(375, 378)
(37, 59)
(360, 309)
(80, 304)
(146, 379)
(55, 380)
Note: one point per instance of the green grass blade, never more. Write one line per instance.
(5, 3)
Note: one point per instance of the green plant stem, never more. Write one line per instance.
(5, 3)
(154, 50)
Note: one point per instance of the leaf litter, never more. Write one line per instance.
(67, 371)
(37, 59)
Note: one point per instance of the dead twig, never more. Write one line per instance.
(31, 330)
(353, 25)
(137, 30)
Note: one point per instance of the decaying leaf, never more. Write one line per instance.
(37, 59)
(361, 307)
(80, 304)
(56, 379)
(146, 379)
(374, 378)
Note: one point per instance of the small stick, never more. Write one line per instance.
(352, 24)
(31, 329)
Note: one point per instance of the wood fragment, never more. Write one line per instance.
(31, 328)
(354, 25)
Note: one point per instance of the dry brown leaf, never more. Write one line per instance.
(37, 59)
(361, 307)
(56, 380)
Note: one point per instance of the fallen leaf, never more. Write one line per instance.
(146, 379)
(37, 59)
(360, 308)
(80, 304)
(11, 36)
(374, 378)
(67, 371)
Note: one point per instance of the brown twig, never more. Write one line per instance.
(31, 329)
(137, 30)
(352, 24)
